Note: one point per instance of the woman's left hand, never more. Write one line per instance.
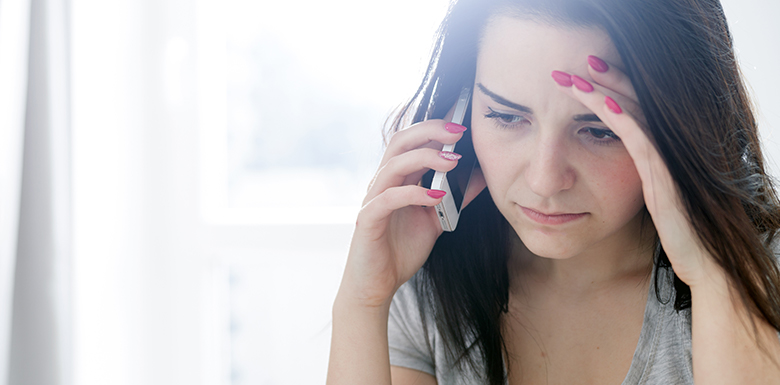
(611, 96)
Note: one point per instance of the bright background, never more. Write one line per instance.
(220, 153)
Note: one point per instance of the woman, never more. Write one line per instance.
(625, 234)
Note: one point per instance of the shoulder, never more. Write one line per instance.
(407, 310)
(415, 341)
(664, 351)
(405, 299)
(668, 352)
(411, 332)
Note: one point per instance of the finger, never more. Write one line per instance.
(376, 212)
(430, 133)
(608, 75)
(661, 195)
(659, 189)
(620, 120)
(451, 128)
(409, 167)
(575, 82)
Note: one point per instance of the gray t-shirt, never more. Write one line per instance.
(662, 356)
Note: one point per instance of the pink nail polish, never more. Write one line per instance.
(581, 84)
(562, 78)
(436, 194)
(454, 128)
(449, 155)
(612, 105)
(598, 64)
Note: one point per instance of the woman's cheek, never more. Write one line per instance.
(489, 154)
(619, 181)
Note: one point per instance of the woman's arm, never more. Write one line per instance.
(408, 376)
(359, 348)
(725, 348)
(394, 234)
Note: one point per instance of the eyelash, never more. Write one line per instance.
(504, 120)
(607, 138)
(507, 121)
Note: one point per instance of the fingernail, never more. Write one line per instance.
(581, 84)
(562, 78)
(454, 128)
(612, 105)
(598, 64)
(449, 155)
(436, 194)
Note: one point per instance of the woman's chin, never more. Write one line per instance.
(541, 246)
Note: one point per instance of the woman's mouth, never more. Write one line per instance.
(551, 218)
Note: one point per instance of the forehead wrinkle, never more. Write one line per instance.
(514, 67)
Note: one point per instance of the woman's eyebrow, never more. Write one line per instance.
(586, 118)
(501, 100)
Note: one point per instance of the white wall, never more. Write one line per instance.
(757, 41)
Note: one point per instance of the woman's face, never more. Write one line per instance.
(559, 176)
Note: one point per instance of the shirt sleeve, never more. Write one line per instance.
(406, 336)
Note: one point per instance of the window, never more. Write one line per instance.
(292, 99)
(293, 96)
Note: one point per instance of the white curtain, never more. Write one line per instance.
(35, 337)
(13, 74)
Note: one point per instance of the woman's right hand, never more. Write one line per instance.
(398, 225)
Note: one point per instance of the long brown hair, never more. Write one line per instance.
(680, 59)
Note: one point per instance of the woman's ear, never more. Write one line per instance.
(476, 185)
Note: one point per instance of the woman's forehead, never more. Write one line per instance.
(517, 54)
(522, 50)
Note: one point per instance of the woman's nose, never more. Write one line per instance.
(548, 170)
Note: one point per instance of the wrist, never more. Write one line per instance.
(712, 281)
(351, 301)
(357, 290)
(698, 270)
(354, 314)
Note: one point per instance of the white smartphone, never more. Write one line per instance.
(456, 181)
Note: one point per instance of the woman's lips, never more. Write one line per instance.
(551, 219)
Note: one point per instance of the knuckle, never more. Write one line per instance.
(369, 210)
(397, 138)
(393, 163)
(372, 182)
(385, 197)
(408, 193)
(362, 217)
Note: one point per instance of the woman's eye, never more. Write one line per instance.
(504, 120)
(509, 118)
(602, 134)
